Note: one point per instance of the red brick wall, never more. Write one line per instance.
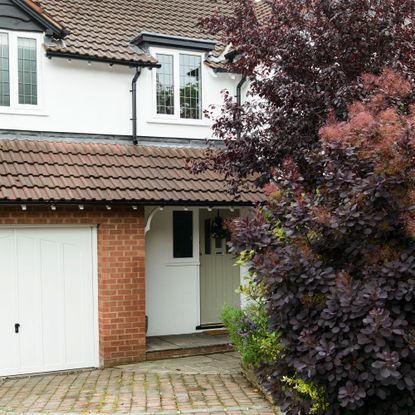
(121, 272)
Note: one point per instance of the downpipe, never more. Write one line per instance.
(134, 104)
(239, 98)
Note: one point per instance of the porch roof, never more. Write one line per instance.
(67, 172)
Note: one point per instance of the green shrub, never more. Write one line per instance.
(249, 328)
(308, 391)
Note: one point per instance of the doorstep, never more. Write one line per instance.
(208, 342)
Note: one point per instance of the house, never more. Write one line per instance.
(105, 235)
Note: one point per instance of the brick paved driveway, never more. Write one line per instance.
(195, 385)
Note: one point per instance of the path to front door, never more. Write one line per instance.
(194, 385)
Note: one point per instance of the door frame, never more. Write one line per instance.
(95, 283)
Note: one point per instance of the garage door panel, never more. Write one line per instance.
(30, 302)
(51, 273)
(9, 358)
(75, 299)
(53, 310)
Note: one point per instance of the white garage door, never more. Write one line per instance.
(47, 307)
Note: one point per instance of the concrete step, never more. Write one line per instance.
(187, 351)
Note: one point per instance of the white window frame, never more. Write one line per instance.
(15, 107)
(175, 118)
(171, 261)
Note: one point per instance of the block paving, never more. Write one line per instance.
(195, 385)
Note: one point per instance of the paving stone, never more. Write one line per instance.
(224, 363)
(193, 385)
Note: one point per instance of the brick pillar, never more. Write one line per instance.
(121, 271)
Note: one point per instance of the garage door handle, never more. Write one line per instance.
(16, 328)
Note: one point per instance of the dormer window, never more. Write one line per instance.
(19, 70)
(179, 85)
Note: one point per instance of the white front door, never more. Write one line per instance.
(47, 313)
(219, 277)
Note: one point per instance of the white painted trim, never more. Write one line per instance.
(150, 219)
(95, 290)
(47, 225)
(181, 121)
(181, 264)
(195, 259)
(23, 112)
(23, 109)
(198, 287)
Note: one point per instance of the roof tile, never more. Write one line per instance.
(63, 171)
(105, 28)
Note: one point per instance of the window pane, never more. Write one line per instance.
(208, 247)
(190, 86)
(165, 85)
(27, 67)
(4, 71)
(182, 234)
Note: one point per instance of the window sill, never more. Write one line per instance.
(21, 111)
(175, 121)
(182, 264)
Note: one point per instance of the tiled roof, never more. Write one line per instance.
(105, 28)
(263, 10)
(84, 172)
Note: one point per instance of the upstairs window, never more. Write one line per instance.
(4, 70)
(190, 88)
(179, 85)
(19, 69)
(27, 69)
(165, 85)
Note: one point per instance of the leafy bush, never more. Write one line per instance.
(309, 392)
(337, 262)
(334, 246)
(249, 330)
(250, 334)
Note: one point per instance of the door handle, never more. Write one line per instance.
(16, 328)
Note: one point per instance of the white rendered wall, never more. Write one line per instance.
(172, 285)
(78, 98)
(95, 98)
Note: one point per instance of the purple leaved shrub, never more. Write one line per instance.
(337, 260)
